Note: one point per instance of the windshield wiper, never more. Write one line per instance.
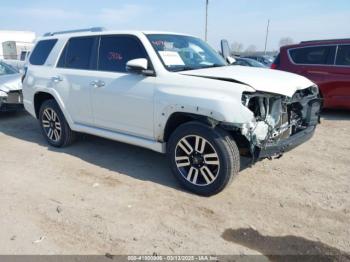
(182, 68)
(213, 65)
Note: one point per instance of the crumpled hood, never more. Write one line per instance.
(260, 79)
(10, 83)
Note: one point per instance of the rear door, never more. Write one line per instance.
(73, 77)
(316, 63)
(313, 62)
(339, 80)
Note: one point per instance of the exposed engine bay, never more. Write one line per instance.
(278, 117)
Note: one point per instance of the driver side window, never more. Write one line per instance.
(115, 51)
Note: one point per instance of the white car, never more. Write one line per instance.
(10, 88)
(170, 93)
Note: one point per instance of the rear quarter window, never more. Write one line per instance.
(343, 55)
(318, 55)
(42, 51)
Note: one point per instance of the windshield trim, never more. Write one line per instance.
(186, 68)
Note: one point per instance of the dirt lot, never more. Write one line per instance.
(99, 197)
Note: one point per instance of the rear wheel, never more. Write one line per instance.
(203, 159)
(54, 125)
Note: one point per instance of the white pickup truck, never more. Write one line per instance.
(171, 93)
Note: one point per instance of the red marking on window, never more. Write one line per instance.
(114, 56)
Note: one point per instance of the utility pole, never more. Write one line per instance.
(206, 20)
(267, 35)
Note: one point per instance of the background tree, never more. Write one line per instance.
(286, 41)
(250, 49)
(236, 47)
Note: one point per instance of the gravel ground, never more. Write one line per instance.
(100, 196)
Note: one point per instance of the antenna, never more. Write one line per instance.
(206, 20)
(267, 35)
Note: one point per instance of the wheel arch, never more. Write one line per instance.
(178, 118)
(41, 96)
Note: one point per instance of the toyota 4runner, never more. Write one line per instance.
(170, 93)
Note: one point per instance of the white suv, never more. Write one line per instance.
(170, 93)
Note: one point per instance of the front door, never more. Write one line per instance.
(122, 101)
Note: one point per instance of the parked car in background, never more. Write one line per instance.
(248, 62)
(170, 93)
(325, 62)
(10, 88)
(264, 59)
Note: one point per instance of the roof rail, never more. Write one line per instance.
(325, 40)
(92, 29)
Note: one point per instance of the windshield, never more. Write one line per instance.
(6, 69)
(180, 53)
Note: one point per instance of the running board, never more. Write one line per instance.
(120, 137)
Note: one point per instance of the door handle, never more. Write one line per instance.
(318, 72)
(56, 79)
(97, 83)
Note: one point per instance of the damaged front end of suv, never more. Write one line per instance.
(280, 122)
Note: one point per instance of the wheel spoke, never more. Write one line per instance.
(47, 115)
(53, 115)
(57, 136)
(46, 123)
(193, 171)
(200, 144)
(185, 146)
(207, 174)
(58, 126)
(211, 159)
(182, 161)
(50, 133)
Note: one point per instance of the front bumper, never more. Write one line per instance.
(285, 145)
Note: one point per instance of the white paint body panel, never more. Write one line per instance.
(261, 79)
(135, 108)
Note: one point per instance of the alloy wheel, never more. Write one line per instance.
(197, 160)
(51, 124)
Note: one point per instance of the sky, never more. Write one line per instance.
(242, 21)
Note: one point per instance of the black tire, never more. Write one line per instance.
(224, 147)
(66, 135)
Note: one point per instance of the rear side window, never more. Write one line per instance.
(115, 51)
(42, 51)
(343, 55)
(318, 55)
(77, 53)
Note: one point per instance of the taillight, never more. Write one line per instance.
(276, 63)
(274, 66)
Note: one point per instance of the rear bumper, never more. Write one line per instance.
(276, 149)
(12, 102)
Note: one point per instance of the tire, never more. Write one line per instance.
(190, 160)
(52, 118)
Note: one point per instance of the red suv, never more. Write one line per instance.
(325, 62)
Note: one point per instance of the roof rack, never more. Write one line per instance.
(92, 29)
(325, 40)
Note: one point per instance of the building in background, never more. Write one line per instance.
(15, 45)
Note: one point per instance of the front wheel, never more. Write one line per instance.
(203, 159)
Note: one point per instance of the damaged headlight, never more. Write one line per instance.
(271, 117)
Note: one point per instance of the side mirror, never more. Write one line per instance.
(230, 60)
(139, 66)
